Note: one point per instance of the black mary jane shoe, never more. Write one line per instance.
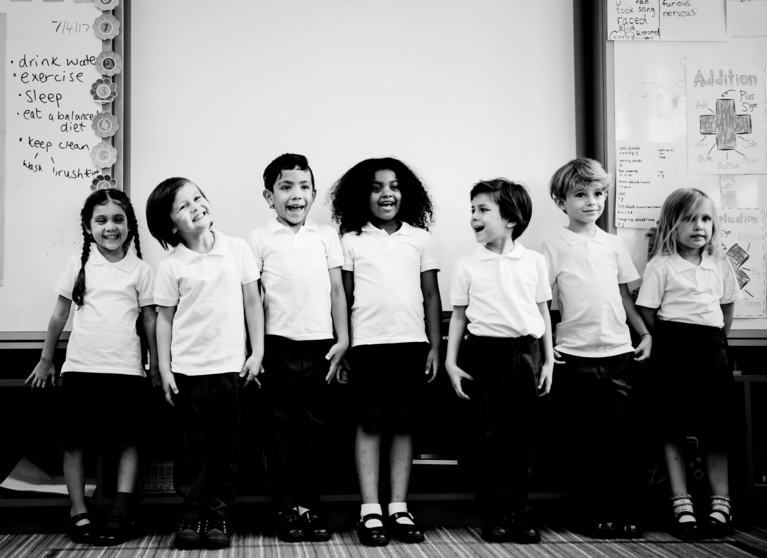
(717, 529)
(404, 532)
(687, 530)
(117, 530)
(372, 536)
(314, 527)
(81, 533)
(289, 527)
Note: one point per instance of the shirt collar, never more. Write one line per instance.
(680, 264)
(516, 253)
(187, 256)
(573, 238)
(274, 226)
(127, 264)
(405, 229)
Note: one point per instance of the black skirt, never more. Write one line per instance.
(690, 389)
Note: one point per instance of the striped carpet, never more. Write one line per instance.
(746, 541)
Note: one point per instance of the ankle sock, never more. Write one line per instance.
(396, 507)
(720, 509)
(682, 506)
(367, 509)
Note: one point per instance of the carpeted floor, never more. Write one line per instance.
(746, 541)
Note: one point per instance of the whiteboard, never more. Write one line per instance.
(48, 70)
(649, 104)
(459, 90)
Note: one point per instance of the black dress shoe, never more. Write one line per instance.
(494, 528)
(404, 532)
(314, 527)
(632, 531)
(117, 530)
(607, 530)
(290, 528)
(372, 536)
(81, 533)
(521, 529)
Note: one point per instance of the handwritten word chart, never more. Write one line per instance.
(666, 20)
(726, 120)
(647, 174)
(742, 235)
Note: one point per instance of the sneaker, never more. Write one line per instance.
(188, 535)
(215, 534)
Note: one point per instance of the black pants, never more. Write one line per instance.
(504, 408)
(294, 379)
(601, 457)
(208, 410)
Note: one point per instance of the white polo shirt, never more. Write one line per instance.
(104, 337)
(294, 273)
(501, 292)
(588, 272)
(687, 293)
(209, 332)
(388, 302)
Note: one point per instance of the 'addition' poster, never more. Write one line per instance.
(743, 240)
(726, 120)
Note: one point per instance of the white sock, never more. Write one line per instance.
(367, 509)
(301, 510)
(396, 507)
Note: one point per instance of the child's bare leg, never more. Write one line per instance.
(676, 467)
(127, 469)
(716, 467)
(367, 452)
(400, 461)
(74, 478)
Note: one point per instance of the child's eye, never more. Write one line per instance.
(394, 187)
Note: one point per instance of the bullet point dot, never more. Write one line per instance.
(19, 139)
(14, 75)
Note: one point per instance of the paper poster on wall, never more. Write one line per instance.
(747, 19)
(647, 173)
(726, 120)
(666, 20)
(743, 240)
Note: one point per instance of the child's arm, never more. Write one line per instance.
(727, 312)
(340, 322)
(648, 316)
(347, 277)
(557, 356)
(164, 334)
(44, 371)
(254, 318)
(645, 345)
(458, 323)
(432, 304)
(149, 321)
(547, 369)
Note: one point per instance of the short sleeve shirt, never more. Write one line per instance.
(588, 273)
(501, 292)
(294, 273)
(687, 293)
(104, 337)
(209, 332)
(388, 302)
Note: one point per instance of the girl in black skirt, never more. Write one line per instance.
(687, 297)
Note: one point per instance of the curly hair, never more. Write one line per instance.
(349, 197)
(286, 161)
(102, 197)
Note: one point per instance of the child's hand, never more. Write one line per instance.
(154, 376)
(335, 355)
(252, 368)
(342, 375)
(644, 348)
(544, 380)
(169, 386)
(42, 374)
(432, 363)
(456, 376)
(558, 357)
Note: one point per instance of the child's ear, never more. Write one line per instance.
(314, 194)
(510, 225)
(560, 204)
(269, 197)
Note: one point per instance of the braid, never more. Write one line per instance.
(133, 228)
(78, 293)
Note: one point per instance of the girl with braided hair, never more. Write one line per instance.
(103, 372)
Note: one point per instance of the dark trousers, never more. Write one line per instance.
(594, 397)
(504, 408)
(294, 379)
(208, 410)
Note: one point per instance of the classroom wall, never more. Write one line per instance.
(459, 90)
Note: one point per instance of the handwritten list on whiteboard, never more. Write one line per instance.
(647, 173)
